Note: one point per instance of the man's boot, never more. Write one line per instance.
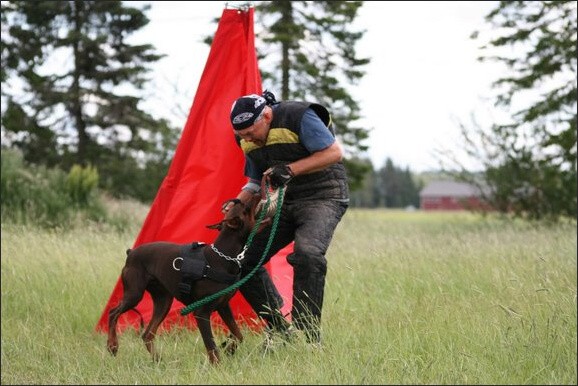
(307, 304)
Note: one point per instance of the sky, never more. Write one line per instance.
(422, 82)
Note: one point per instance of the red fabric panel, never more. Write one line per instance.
(206, 170)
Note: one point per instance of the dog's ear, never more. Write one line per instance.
(218, 226)
(234, 222)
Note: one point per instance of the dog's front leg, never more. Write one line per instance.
(230, 345)
(203, 319)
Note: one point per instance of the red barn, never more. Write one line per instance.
(450, 195)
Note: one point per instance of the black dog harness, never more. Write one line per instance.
(196, 267)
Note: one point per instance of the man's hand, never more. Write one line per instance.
(227, 205)
(279, 175)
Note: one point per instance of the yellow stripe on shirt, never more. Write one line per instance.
(275, 137)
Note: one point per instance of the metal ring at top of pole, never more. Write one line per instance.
(238, 5)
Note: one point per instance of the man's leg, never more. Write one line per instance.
(259, 290)
(318, 220)
(262, 295)
(308, 292)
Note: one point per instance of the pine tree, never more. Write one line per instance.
(306, 49)
(70, 80)
(530, 160)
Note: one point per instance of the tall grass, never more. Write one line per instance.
(411, 298)
(50, 198)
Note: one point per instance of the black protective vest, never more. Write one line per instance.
(283, 146)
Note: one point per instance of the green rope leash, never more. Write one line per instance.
(191, 307)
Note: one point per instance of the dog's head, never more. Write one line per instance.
(242, 216)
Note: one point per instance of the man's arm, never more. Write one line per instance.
(318, 160)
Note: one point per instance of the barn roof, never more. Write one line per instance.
(449, 188)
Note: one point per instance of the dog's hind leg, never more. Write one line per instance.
(112, 341)
(134, 284)
(162, 301)
(230, 345)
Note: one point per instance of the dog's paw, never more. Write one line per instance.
(229, 345)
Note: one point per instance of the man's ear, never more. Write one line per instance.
(268, 114)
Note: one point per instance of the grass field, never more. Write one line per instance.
(411, 298)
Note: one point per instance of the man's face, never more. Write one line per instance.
(257, 133)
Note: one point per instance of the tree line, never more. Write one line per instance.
(86, 111)
(529, 159)
(390, 186)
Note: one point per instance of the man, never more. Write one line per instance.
(292, 144)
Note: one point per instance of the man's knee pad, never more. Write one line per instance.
(308, 264)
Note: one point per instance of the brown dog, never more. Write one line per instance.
(156, 268)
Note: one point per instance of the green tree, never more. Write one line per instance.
(70, 82)
(307, 50)
(398, 189)
(366, 195)
(389, 186)
(409, 189)
(530, 159)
